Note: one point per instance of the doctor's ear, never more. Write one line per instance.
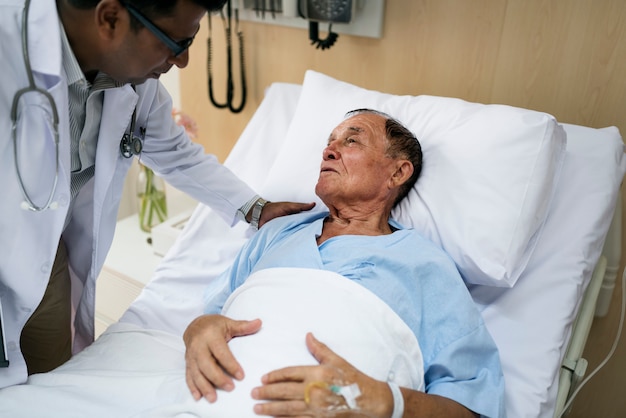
(111, 19)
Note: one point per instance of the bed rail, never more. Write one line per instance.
(574, 366)
(595, 304)
(612, 251)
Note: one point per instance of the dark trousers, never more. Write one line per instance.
(46, 339)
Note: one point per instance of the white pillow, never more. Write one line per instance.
(488, 174)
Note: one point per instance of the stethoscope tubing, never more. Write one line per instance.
(29, 203)
(128, 148)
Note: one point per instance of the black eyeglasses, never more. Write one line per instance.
(177, 47)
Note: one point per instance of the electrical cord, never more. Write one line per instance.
(568, 404)
(321, 43)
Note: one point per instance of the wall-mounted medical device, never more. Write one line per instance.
(325, 11)
(351, 17)
(339, 11)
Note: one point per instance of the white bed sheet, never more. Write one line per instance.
(530, 323)
(207, 245)
(139, 373)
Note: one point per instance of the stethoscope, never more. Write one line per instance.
(230, 89)
(129, 145)
(32, 88)
(132, 144)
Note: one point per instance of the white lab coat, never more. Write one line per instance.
(28, 240)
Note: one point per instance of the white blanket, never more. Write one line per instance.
(132, 372)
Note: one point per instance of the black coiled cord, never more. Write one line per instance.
(321, 43)
(230, 87)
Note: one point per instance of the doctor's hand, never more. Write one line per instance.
(273, 210)
(306, 391)
(209, 362)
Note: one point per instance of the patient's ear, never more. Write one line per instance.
(404, 170)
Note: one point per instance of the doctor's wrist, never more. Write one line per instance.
(252, 210)
(254, 214)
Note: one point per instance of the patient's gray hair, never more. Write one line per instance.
(402, 144)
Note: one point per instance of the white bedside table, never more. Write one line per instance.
(128, 267)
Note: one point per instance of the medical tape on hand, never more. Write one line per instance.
(349, 393)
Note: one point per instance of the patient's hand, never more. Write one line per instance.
(210, 363)
(285, 388)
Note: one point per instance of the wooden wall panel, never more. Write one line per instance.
(565, 57)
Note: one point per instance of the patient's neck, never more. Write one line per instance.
(336, 226)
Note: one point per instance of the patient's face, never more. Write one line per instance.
(355, 169)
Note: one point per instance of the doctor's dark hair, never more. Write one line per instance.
(402, 144)
(154, 8)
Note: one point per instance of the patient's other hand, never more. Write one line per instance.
(209, 361)
(285, 389)
(275, 209)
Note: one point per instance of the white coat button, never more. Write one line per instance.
(12, 346)
(45, 268)
(63, 200)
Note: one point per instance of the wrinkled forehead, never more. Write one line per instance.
(369, 124)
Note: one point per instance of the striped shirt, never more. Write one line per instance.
(85, 112)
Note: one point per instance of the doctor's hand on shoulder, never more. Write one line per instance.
(264, 211)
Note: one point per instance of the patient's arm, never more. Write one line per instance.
(285, 388)
(209, 361)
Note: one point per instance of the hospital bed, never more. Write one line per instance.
(526, 206)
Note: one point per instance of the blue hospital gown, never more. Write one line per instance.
(412, 275)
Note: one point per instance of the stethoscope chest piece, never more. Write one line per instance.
(130, 145)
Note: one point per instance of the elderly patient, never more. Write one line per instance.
(369, 165)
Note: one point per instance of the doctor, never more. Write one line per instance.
(79, 95)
